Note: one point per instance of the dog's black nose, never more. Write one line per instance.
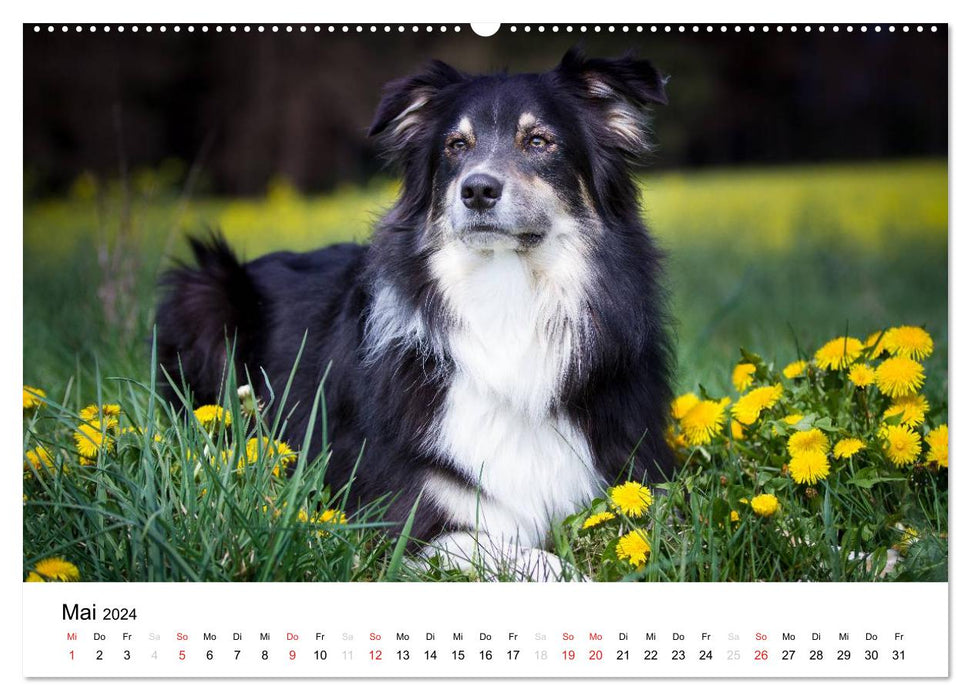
(481, 191)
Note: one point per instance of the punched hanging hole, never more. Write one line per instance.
(485, 28)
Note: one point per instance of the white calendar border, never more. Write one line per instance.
(538, 11)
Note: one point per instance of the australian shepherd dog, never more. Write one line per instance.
(501, 348)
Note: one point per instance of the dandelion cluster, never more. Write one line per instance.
(78, 449)
(849, 416)
(627, 508)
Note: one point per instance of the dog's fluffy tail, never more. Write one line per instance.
(207, 308)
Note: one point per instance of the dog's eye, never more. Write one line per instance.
(457, 145)
(538, 142)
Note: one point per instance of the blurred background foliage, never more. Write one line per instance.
(248, 107)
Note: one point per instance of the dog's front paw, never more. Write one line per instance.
(492, 560)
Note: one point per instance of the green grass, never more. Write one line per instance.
(777, 261)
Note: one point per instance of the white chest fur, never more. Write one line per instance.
(513, 340)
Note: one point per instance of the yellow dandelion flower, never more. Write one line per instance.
(808, 467)
(811, 440)
(876, 343)
(108, 410)
(937, 442)
(597, 519)
(56, 569)
(738, 430)
(748, 408)
(684, 403)
(901, 444)
(675, 440)
(634, 547)
(703, 422)
(742, 376)
(212, 416)
(90, 438)
(847, 447)
(37, 459)
(34, 578)
(862, 375)
(791, 419)
(795, 369)
(909, 341)
(278, 451)
(910, 410)
(631, 498)
(899, 376)
(839, 353)
(765, 505)
(734, 516)
(331, 516)
(33, 397)
(908, 537)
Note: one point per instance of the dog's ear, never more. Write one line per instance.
(403, 110)
(623, 88)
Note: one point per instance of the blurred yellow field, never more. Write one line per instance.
(767, 209)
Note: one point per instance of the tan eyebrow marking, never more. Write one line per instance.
(529, 126)
(526, 120)
(463, 130)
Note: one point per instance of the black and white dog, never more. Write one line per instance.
(501, 346)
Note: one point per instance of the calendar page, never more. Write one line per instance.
(519, 350)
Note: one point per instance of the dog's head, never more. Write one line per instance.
(502, 161)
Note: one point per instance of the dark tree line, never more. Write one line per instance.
(247, 106)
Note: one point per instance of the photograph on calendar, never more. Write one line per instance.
(409, 303)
